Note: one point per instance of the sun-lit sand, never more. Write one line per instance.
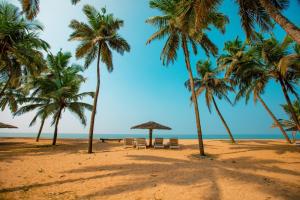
(249, 170)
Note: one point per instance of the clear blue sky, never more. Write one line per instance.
(140, 88)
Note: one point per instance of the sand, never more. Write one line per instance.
(257, 170)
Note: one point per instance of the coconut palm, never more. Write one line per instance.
(20, 48)
(260, 12)
(213, 86)
(248, 74)
(57, 90)
(181, 32)
(97, 40)
(279, 56)
(32, 7)
(290, 124)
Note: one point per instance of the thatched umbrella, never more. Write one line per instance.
(151, 125)
(2, 125)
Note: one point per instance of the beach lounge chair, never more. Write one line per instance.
(128, 142)
(141, 143)
(159, 143)
(173, 144)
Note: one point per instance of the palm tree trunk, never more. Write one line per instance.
(292, 30)
(223, 120)
(91, 132)
(289, 103)
(56, 126)
(274, 119)
(40, 130)
(194, 97)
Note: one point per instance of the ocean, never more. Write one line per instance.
(162, 135)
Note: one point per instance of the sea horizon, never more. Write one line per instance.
(145, 135)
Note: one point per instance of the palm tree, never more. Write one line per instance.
(260, 12)
(248, 74)
(32, 7)
(273, 8)
(97, 40)
(57, 90)
(278, 56)
(20, 48)
(213, 86)
(290, 124)
(180, 31)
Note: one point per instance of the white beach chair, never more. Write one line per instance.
(141, 143)
(159, 143)
(128, 142)
(173, 144)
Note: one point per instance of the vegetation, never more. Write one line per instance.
(278, 57)
(56, 90)
(32, 7)
(260, 12)
(251, 67)
(289, 124)
(213, 86)
(181, 32)
(51, 85)
(20, 49)
(97, 40)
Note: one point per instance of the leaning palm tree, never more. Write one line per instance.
(97, 40)
(213, 86)
(252, 13)
(247, 74)
(279, 56)
(32, 7)
(20, 48)
(57, 90)
(181, 32)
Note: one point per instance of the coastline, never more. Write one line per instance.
(145, 135)
(183, 139)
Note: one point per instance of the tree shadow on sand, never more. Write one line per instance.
(195, 173)
(258, 145)
(150, 171)
(11, 150)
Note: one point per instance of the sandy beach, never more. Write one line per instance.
(261, 169)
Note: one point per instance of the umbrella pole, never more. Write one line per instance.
(150, 137)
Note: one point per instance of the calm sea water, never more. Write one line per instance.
(163, 135)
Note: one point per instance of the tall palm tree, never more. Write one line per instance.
(20, 48)
(278, 56)
(57, 90)
(32, 7)
(181, 32)
(97, 40)
(213, 86)
(248, 74)
(260, 12)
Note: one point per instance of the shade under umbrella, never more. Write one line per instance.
(151, 125)
(2, 125)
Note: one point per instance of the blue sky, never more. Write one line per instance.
(141, 89)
